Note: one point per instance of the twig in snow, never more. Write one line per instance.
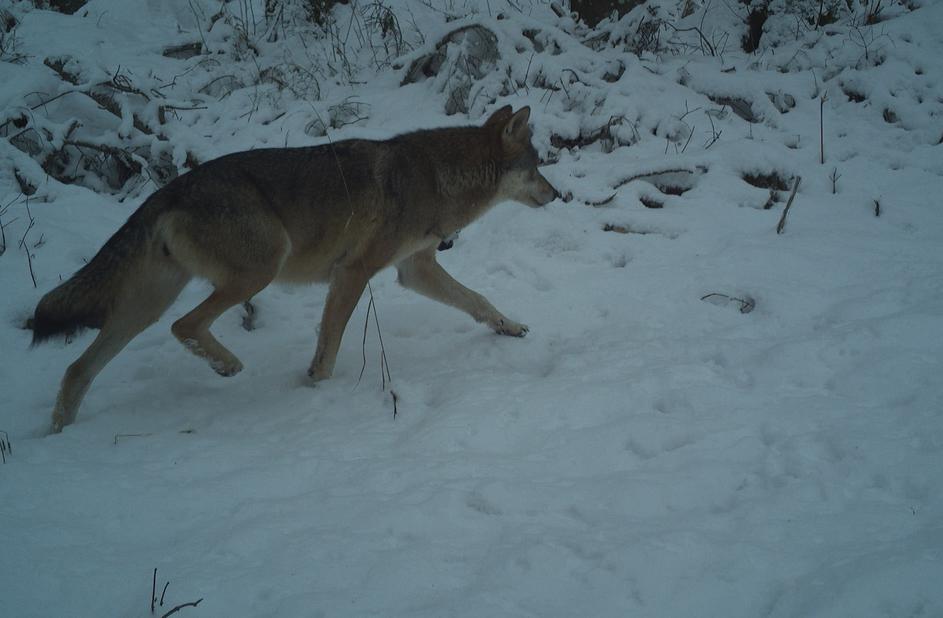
(625, 181)
(131, 161)
(23, 245)
(834, 176)
(199, 27)
(118, 436)
(184, 50)
(746, 304)
(782, 220)
(688, 111)
(154, 601)
(877, 208)
(690, 135)
(363, 343)
(131, 435)
(123, 83)
(153, 579)
(107, 101)
(704, 41)
(181, 606)
(6, 447)
(822, 100)
(715, 134)
(384, 364)
(601, 202)
(3, 235)
(32, 222)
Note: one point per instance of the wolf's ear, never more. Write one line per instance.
(499, 117)
(516, 130)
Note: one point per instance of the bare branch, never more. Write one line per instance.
(782, 221)
(181, 606)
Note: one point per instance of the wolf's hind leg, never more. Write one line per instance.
(240, 256)
(78, 377)
(141, 304)
(422, 273)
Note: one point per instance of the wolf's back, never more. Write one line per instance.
(87, 298)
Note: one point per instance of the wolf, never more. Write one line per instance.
(338, 213)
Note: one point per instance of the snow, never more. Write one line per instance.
(640, 452)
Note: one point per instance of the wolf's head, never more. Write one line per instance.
(520, 179)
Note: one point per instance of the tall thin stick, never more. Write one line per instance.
(384, 364)
(25, 246)
(6, 447)
(154, 590)
(782, 220)
(363, 344)
(822, 101)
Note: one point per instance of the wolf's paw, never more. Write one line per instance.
(60, 418)
(507, 327)
(226, 368)
(316, 375)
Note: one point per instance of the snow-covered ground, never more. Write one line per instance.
(644, 451)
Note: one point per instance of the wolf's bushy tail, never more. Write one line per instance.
(87, 298)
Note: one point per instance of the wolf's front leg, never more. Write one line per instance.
(422, 273)
(347, 285)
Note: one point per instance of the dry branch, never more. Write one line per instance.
(680, 170)
(782, 220)
(104, 100)
(60, 155)
(601, 202)
(154, 602)
(181, 606)
(184, 51)
(108, 102)
(746, 304)
(822, 101)
(704, 42)
(5, 446)
(126, 158)
(153, 578)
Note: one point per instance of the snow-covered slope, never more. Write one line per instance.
(647, 450)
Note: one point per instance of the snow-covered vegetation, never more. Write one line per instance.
(707, 418)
